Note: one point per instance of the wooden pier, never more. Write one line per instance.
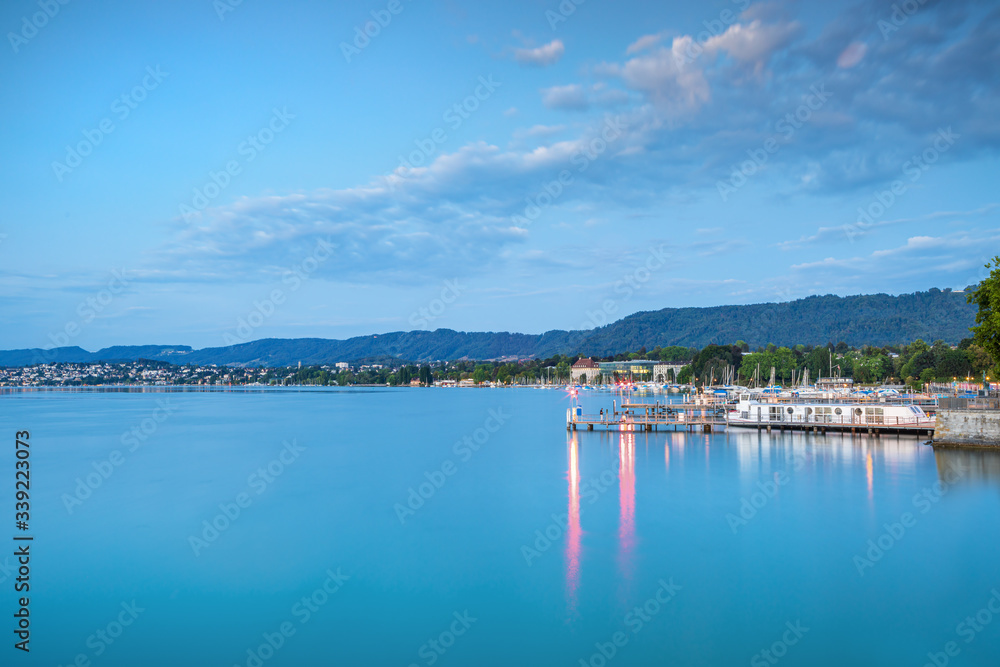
(709, 417)
(650, 417)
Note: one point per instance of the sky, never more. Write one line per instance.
(204, 172)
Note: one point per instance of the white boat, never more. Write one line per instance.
(749, 411)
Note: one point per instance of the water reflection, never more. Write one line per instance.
(759, 453)
(971, 464)
(626, 499)
(870, 470)
(573, 528)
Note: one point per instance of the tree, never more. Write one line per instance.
(750, 363)
(425, 375)
(870, 368)
(685, 375)
(784, 363)
(986, 332)
(953, 364)
(919, 362)
(717, 358)
(818, 363)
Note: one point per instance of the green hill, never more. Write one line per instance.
(875, 319)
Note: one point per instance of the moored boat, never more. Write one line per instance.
(751, 412)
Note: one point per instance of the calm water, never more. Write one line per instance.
(528, 546)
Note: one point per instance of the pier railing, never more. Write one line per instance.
(965, 403)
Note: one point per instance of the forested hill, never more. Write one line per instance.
(877, 319)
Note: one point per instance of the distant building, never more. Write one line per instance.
(638, 370)
(342, 365)
(667, 372)
(584, 371)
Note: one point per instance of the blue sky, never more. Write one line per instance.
(260, 170)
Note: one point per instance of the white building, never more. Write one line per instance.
(584, 371)
(667, 372)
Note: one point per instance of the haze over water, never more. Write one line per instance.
(528, 545)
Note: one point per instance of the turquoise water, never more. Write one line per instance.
(466, 527)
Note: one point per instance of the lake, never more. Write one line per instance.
(468, 527)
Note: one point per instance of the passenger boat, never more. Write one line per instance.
(751, 412)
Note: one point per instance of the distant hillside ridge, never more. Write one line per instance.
(874, 319)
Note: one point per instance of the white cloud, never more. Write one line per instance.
(543, 56)
(665, 78)
(538, 132)
(755, 42)
(846, 232)
(577, 97)
(934, 259)
(644, 42)
(853, 54)
(570, 97)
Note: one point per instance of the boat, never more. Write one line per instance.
(749, 411)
